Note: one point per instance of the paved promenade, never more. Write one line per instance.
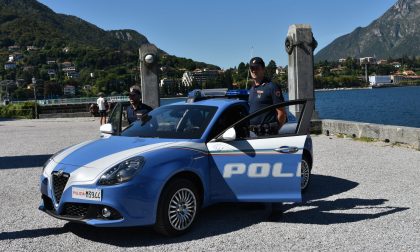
(363, 197)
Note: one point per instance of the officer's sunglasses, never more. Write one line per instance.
(255, 68)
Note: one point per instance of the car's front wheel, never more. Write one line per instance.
(178, 206)
(305, 173)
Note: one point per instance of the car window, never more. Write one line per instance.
(268, 123)
(228, 118)
(178, 122)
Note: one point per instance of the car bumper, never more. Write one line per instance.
(130, 204)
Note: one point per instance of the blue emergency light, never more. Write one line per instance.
(204, 94)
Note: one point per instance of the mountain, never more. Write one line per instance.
(393, 35)
(28, 22)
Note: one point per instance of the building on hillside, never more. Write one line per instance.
(342, 60)
(165, 82)
(406, 79)
(409, 73)
(367, 60)
(14, 48)
(51, 62)
(15, 57)
(337, 70)
(72, 75)
(51, 73)
(31, 48)
(280, 70)
(382, 62)
(9, 65)
(199, 76)
(69, 69)
(395, 64)
(69, 90)
(66, 64)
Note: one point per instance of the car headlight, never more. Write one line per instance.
(122, 172)
(52, 157)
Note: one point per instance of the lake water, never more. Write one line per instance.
(391, 106)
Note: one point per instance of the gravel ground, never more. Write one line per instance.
(363, 196)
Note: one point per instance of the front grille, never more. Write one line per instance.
(59, 182)
(75, 210)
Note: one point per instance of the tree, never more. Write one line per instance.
(270, 69)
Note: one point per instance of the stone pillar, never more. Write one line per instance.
(148, 55)
(300, 46)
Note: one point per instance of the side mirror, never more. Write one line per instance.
(106, 129)
(229, 135)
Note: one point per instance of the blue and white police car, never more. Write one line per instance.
(161, 169)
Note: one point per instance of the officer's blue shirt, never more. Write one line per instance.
(262, 96)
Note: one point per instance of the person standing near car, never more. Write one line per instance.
(261, 95)
(102, 108)
(137, 109)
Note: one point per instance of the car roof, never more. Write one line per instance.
(214, 102)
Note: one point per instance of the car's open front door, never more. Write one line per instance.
(115, 118)
(256, 160)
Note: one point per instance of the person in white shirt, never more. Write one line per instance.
(102, 108)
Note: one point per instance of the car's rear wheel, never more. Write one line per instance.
(305, 173)
(178, 206)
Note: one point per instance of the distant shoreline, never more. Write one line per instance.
(336, 89)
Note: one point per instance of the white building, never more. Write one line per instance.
(69, 69)
(380, 80)
(167, 82)
(199, 76)
(367, 60)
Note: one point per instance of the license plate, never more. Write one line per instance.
(86, 194)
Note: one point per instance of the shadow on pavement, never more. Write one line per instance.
(229, 217)
(14, 162)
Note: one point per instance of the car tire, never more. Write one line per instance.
(305, 173)
(177, 208)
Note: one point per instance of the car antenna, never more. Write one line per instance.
(249, 68)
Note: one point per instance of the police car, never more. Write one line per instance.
(161, 169)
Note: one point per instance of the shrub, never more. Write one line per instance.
(21, 110)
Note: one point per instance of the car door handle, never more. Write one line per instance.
(287, 149)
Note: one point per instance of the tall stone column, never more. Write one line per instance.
(300, 45)
(149, 75)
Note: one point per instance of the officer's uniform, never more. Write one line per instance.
(260, 97)
(135, 114)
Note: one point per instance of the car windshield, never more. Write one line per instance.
(177, 122)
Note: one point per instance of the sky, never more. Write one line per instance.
(226, 32)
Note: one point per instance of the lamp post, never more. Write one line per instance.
(36, 103)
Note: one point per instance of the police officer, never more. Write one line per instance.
(263, 94)
(137, 109)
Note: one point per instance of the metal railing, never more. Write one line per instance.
(82, 100)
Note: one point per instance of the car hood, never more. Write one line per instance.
(107, 151)
(85, 162)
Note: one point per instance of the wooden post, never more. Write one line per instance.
(300, 46)
(148, 55)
